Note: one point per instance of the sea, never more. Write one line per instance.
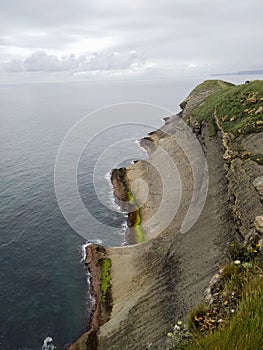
(44, 285)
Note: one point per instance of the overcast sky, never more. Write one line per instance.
(42, 40)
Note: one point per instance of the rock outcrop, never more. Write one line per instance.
(157, 282)
(98, 263)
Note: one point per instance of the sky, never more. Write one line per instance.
(68, 40)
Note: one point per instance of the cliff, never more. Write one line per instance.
(186, 223)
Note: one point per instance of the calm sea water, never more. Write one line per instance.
(43, 284)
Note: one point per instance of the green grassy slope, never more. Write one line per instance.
(238, 108)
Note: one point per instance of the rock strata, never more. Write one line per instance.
(155, 283)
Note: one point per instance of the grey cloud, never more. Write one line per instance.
(220, 35)
(32, 41)
(43, 13)
(41, 61)
(102, 15)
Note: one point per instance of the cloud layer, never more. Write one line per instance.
(40, 61)
(170, 38)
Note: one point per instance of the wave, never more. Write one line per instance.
(110, 196)
(90, 298)
(48, 344)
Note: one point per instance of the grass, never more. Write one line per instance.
(236, 108)
(238, 305)
(233, 319)
(105, 265)
(215, 85)
(245, 331)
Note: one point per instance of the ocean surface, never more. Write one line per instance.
(43, 283)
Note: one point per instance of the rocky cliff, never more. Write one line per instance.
(156, 282)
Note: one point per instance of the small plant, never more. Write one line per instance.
(201, 319)
(244, 253)
(230, 269)
(179, 338)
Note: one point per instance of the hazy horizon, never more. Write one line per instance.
(139, 40)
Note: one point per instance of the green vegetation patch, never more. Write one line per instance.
(215, 85)
(233, 318)
(136, 219)
(232, 321)
(239, 109)
(245, 331)
(245, 253)
(105, 265)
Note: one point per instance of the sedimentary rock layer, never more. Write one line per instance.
(155, 283)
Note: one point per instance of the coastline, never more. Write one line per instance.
(155, 283)
(168, 263)
(127, 201)
(98, 263)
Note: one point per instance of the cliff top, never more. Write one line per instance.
(239, 108)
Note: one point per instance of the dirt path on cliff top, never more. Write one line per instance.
(156, 283)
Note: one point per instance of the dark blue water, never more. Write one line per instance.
(43, 284)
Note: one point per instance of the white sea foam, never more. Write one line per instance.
(123, 231)
(84, 246)
(91, 299)
(83, 251)
(47, 344)
(142, 148)
(108, 176)
(124, 225)
(110, 198)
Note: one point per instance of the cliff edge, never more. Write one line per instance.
(156, 282)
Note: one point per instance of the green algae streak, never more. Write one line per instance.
(137, 223)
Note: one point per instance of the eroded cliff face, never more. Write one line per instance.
(241, 130)
(244, 175)
(155, 283)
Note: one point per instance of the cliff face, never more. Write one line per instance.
(237, 114)
(155, 283)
